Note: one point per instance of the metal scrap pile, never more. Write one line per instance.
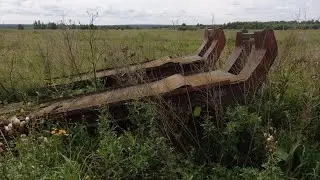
(182, 81)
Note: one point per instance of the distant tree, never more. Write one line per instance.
(183, 27)
(52, 26)
(84, 26)
(92, 26)
(43, 26)
(73, 26)
(201, 26)
(315, 26)
(36, 25)
(20, 27)
(127, 27)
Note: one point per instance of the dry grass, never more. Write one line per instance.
(29, 57)
(289, 101)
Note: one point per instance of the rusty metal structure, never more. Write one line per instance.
(205, 58)
(240, 53)
(242, 74)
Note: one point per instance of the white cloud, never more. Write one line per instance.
(158, 11)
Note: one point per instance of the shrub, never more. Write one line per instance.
(241, 142)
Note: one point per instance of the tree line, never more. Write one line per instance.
(276, 25)
(51, 25)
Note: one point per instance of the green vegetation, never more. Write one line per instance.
(276, 25)
(51, 25)
(20, 27)
(275, 136)
(30, 57)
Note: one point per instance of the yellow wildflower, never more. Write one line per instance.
(59, 132)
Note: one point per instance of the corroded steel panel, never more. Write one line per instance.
(180, 88)
(208, 53)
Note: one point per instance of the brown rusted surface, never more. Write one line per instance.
(260, 60)
(207, 55)
(207, 39)
(160, 87)
(240, 53)
(183, 89)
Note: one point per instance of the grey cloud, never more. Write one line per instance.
(141, 13)
(158, 11)
(18, 11)
(235, 3)
(53, 10)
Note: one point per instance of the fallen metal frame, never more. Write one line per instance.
(205, 58)
(184, 89)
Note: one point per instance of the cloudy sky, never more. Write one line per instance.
(157, 11)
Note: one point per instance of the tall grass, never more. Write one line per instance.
(30, 57)
(276, 136)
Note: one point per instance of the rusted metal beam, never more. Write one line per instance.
(182, 89)
(208, 53)
(204, 59)
(240, 53)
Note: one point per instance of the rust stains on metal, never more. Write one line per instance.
(160, 87)
(178, 87)
(207, 54)
(240, 53)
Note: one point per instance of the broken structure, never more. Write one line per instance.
(242, 74)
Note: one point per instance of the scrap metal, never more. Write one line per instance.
(183, 89)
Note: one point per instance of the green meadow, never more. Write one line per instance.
(274, 137)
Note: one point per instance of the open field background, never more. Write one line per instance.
(281, 127)
(29, 57)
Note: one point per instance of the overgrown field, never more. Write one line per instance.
(275, 137)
